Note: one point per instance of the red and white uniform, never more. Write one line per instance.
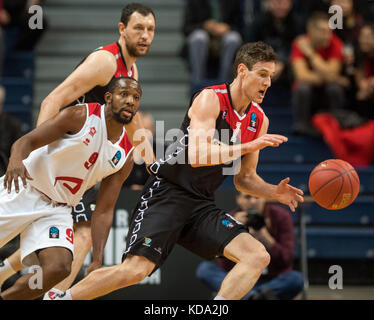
(62, 171)
(95, 158)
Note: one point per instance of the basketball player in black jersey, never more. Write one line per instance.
(88, 83)
(177, 205)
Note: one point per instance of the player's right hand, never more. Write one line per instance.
(15, 170)
(266, 140)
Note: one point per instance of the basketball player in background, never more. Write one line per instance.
(223, 124)
(88, 83)
(57, 162)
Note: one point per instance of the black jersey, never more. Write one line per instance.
(96, 94)
(231, 128)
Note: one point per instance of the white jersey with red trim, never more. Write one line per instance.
(66, 168)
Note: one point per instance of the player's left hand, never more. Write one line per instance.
(15, 170)
(288, 194)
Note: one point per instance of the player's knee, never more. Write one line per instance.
(262, 257)
(259, 257)
(57, 270)
(133, 270)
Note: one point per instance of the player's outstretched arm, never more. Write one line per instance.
(102, 217)
(248, 181)
(97, 69)
(69, 120)
(203, 150)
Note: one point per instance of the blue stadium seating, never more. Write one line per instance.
(338, 243)
(17, 79)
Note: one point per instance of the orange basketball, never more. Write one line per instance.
(334, 184)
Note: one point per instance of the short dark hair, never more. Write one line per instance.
(114, 83)
(130, 8)
(252, 52)
(317, 16)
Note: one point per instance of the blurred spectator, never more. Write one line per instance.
(278, 26)
(15, 14)
(316, 58)
(10, 131)
(139, 175)
(365, 72)
(352, 23)
(351, 136)
(212, 29)
(271, 225)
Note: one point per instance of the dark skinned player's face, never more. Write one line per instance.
(125, 101)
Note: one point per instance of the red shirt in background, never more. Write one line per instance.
(333, 51)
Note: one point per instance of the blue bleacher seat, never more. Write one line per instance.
(338, 243)
(298, 150)
(19, 64)
(360, 213)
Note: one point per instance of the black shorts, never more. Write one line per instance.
(167, 214)
(82, 212)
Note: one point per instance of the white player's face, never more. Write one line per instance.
(125, 101)
(139, 34)
(257, 80)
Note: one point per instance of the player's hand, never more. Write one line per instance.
(267, 140)
(15, 170)
(288, 194)
(93, 266)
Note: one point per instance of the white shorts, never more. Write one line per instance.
(41, 223)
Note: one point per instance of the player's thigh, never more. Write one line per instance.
(53, 230)
(208, 234)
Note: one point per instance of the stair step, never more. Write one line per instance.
(69, 43)
(91, 18)
(150, 69)
(165, 96)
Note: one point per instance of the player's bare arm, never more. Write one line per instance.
(97, 69)
(69, 120)
(138, 138)
(102, 217)
(202, 149)
(248, 181)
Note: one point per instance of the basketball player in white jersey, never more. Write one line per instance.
(57, 162)
(89, 80)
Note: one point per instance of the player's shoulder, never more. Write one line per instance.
(103, 58)
(75, 112)
(258, 107)
(206, 101)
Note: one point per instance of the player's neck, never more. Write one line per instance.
(240, 102)
(113, 127)
(128, 59)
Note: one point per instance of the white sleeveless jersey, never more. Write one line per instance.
(66, 168)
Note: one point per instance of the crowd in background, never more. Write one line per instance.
(325, 60)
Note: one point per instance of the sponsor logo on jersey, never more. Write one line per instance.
(116, 158)
(227, 223)
(147, 242)
(54, 233)
(253, 122)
